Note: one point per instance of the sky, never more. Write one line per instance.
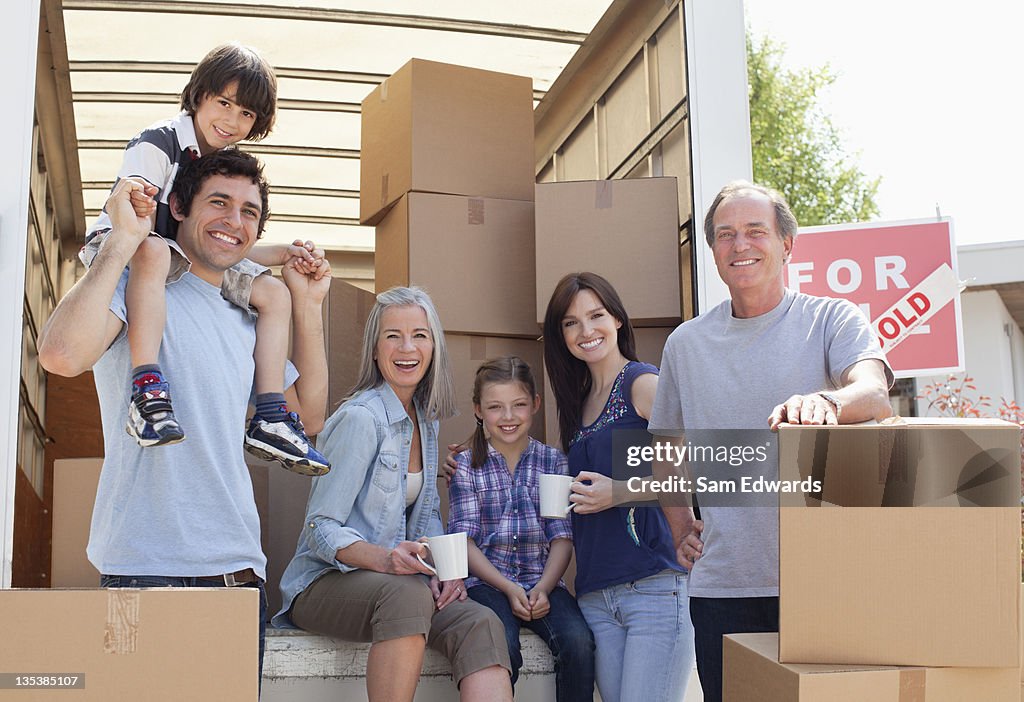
(926, 96)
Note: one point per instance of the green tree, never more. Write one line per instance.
(796, 148)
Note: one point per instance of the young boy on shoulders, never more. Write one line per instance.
(231, 96)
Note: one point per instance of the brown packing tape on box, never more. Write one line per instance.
(752, 673)
(603, 199)
(121, 634)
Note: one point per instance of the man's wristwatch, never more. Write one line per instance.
(834, 401)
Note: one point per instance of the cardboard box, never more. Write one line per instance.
(625, 230)
(752, 673)
(74, 493)
(650, 343)
(437, 128)
(915, 579)
(161, 644)
(345, 313)
(473, 255)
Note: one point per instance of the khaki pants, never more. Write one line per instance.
(363, 605)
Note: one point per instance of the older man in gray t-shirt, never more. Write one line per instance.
(734, 368)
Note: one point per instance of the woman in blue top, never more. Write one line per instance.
(355, 575)
(630, 587)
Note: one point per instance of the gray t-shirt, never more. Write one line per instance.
(186, 509)
(720, 372)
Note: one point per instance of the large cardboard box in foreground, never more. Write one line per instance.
(437, 128)
(752, 673)
(473, 255)
(163, 644)
(625, 230)
(910, 552)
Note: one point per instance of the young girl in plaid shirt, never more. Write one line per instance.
(516, 558)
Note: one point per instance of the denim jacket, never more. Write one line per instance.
(367, 441)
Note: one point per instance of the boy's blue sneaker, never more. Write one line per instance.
(285, 442)
(150, 417)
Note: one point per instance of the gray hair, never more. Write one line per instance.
(436, 392)
(785, 220)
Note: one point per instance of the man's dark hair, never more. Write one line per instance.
(257, 84)
(226, 162)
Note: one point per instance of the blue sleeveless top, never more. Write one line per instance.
(620, 544)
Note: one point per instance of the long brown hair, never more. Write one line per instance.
(570, 379)
(507, 369)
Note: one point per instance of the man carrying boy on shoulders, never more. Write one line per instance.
(185, 516)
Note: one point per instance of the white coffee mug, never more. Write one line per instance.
(450, 555)
(554, 496)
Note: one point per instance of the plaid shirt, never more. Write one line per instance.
(501, 511)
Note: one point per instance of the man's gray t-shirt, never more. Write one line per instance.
(186, 509)
(721, 372)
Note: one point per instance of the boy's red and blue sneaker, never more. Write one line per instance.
(285, 442)
(150, 415)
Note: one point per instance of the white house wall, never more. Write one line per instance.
(18, 34)
(993, 350)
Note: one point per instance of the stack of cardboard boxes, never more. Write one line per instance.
(900, 578)
(446, 176)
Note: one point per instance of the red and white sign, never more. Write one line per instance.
(902, 274)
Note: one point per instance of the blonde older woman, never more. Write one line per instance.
(355, 574)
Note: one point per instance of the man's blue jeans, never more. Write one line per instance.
(565, 632)
(713, 618)
(165, 581)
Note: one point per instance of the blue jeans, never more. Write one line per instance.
(165, 581)
(714, 617)
(562, 629)
(644, 638)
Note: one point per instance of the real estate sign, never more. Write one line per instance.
(902, 274)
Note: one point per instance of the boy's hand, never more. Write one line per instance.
(126, 222)
(144, 200)
(307, 258)
(539, 605)
(307, 284)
